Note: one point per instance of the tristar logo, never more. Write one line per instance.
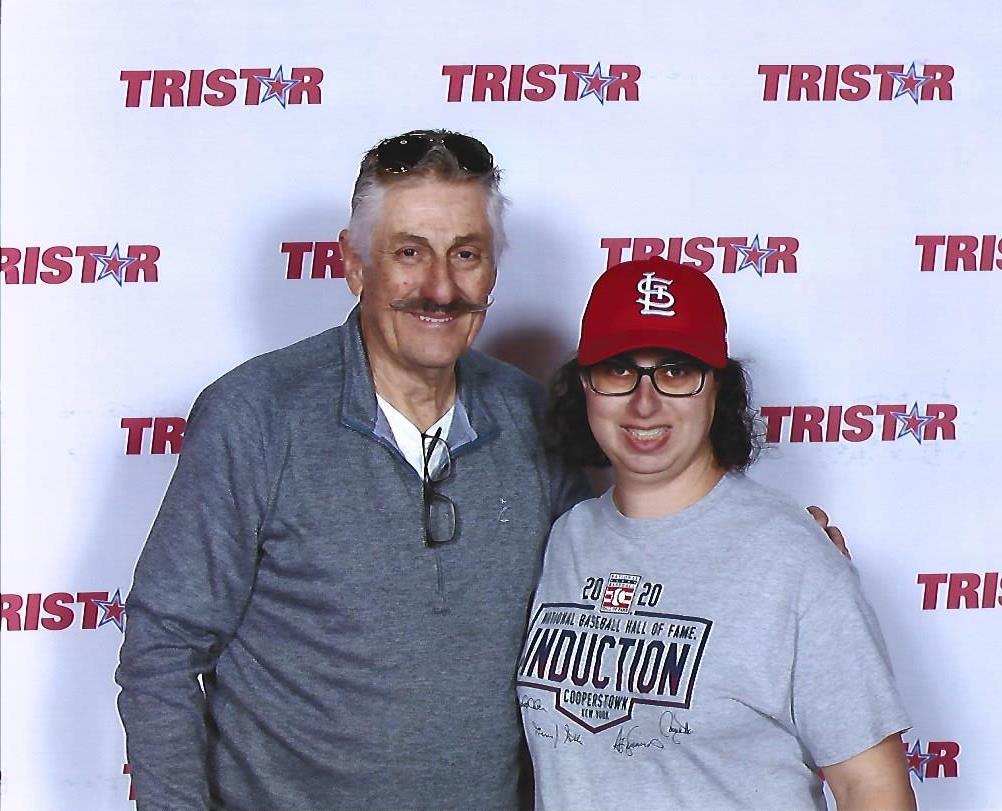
(325, 262)
(600, 667)
(222, 86)
(56, 264)
(166, 435)
(729, 254)
(960, 252)
(574, 82)
(59, 611)
(937, 759)
(963, 590)
(856, 82)
(860, 422)
(655, 298)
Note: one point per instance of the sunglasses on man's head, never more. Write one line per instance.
(404, 152)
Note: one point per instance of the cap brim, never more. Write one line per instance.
(602, 348)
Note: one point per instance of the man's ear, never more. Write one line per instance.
(494, 280)
(352, 261)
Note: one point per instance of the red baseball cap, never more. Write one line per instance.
(657, 304)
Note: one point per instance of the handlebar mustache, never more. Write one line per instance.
(458, 306)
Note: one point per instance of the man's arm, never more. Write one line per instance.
(191, 585)
(874, 780)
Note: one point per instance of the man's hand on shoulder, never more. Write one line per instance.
(833, 532)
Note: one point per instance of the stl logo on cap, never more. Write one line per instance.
(615, 318)
(655, 296)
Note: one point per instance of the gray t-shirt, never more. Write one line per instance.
(710, 659)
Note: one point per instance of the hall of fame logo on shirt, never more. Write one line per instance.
(619, 593)
(612, 652)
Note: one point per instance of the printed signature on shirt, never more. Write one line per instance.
(626, 744)
(671, 728)
(569, 736)
(527, 703)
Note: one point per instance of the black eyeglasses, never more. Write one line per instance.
(617, 378)
(439, 510)
(404, 152)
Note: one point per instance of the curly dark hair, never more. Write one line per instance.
(732, 433)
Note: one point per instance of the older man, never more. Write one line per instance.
(352, 535)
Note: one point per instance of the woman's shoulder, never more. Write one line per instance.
(774, 524)
(584, 514)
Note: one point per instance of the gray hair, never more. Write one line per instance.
(440, 164)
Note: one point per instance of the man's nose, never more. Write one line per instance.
(438, 283)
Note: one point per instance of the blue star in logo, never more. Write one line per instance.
(113, 610)
(277, 87)
(594, 83)
(911, 422)
(916, 760)
(909, 83)
(754, 256)
(113, 264)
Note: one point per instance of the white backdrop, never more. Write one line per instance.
(856, 185)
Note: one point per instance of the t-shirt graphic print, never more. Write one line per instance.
(713, 658)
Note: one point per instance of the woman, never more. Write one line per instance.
(695, 641)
